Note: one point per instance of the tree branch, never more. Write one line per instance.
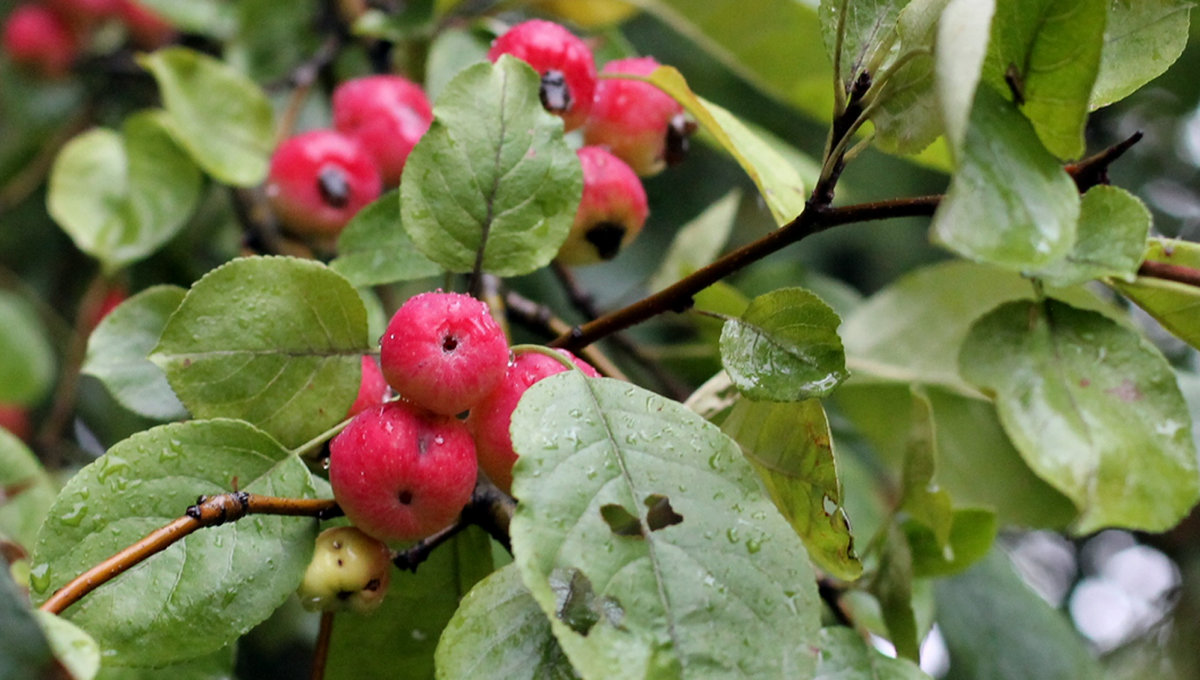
(489, 508)
(1170, 272)
(208, 511)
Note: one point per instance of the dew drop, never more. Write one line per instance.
(75, 515)
(753, 545)
(732, 534)
(39, 577)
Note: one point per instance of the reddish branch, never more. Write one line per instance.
(1170, 272)
(208, 511)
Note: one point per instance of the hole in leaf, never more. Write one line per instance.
(620, 520)
(659, 513)
(576, 603)
(607, 237)
(554, 93)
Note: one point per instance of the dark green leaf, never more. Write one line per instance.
(492, 173)
(24, 650)
(216, 666)
(271, 340)
(893, 587)
(785, 347)
(1010, 202)
(272, 37)
(972, 533)
(727, 590)
(207, 17)
(1093, 408)
(120, 197)
(1142, 39)
(1019, 638)
(777, 179)
(118, 353)
(374, 249)
(922, 497)
(1172, 303)
(399, 639)
(500, 632)
(219, 115)
(201, 593)
(1113, 225)
(789, 446)
(1048, 51)
(26, 361)
(846, 656)
(26, 491)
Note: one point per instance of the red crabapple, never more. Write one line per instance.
(401, 473)
(319, 180)
(564, 62)
(15, 419)
(636, 121)
(372, 391)
(490, 420)
(34, 37)
(147, 29)
(611, 212)
(349, 570)
(387, 115)
(443, 351)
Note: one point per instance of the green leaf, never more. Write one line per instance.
(451, 51)
(1010, 202)
(785, 347)
(911, 331)
(272, 38)
(374, 249)
(1113, 226)
(203, 592)
(763, 41)
(26, 361)
(122, 196)
(1142, 39)
(492, 173)
(893, 587)
(726, 590)
(906, 117)
(26, 491)
(961, 45)
(216, 666)
(972, 533)
(698, 242)
(1021, 636)
(75, 649)
(868, 32)
(777, 180)
(206, 17)
(1050, 52)
(119, 348)
(922, 497)
(500, 632)
(846, 656)
(24, 650)
(1093, 408)
(790, 447)
(274, 341)
(399, 639)
(1171, 303)
(220, 116)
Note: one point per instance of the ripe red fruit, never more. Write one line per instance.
(565, 63)
(443, 351)
(401, 473)
(147, 29)
(319, 180)
(372, 390)
(349, 570)
(490, 420)
(387, 115)
(15, 419)
(34, 37)
(611, 212)
(636, 121)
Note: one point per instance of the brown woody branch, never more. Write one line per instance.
(208, 511)
(1170, 272)
(490, 509)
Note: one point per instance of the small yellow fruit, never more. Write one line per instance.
(349, 570)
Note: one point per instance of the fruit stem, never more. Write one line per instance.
(316, 442)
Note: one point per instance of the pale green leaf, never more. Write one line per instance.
(846, 656)
(698, 242)
(907, 118)
(710, 581)
(500, 632)
(1142, 39)
(26, 491)
(200, 593)
(274, 341)
(492, 173)
(791, 449)
(220, 116)
(1172, 303)
(785, 347)
(26, 358)
(1113, 226)
(962, 42)
(374, 249)
(777, 180)
(75, 649)
(868, 33)
(1093, 408)
(119, 349)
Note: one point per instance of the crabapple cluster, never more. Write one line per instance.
(629, 127)
(318, 180)
(47, 37)
(405, 469)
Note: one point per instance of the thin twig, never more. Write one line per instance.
(1170, 272)
(208, 511)
(321, 649)
(536, 314)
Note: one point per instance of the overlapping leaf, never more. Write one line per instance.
(1172, 303)
(698, 242)
(201, 593)
(642, 532)
(274, 341)
(26, 491)
(1141, 40)
(962, 42)
(374, 249)
(906, 117)
(846, 656)
(26, 362)
(492, 174)
(1113, 225)
(866, 32)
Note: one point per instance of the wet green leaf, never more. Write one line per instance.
(1113, 225)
